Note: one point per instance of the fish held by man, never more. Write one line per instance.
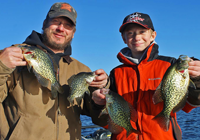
(43, 67)
(173, 90)
(120, 113)
(79, 84)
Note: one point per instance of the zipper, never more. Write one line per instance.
(136, 97)
(58, 109)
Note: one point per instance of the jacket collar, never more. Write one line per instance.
(35, 39)
(125, 55)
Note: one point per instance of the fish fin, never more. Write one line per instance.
(157, 97)
(113, 127)
(162, 120)
(133, 131)
(58, 87)
(29, 67)
(88, 80)
(87, 92)
(55, 89)
(78, 100)
(134, 117)
(191, 84)
(74, 100)
(70, 79)
(70, 99)
(133, 113)
(104, 111)
(55, 66)
(43, 81)
(181, 104)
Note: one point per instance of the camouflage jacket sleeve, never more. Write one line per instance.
(87, 106)
(93, 110)
(4, 75)
(98, 119)
(194, 94)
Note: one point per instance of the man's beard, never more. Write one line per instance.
(51, 44)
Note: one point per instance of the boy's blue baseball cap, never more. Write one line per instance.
(137, 18)
(62, 9)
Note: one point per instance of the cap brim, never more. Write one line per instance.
(121, 29)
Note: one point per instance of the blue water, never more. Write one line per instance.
(189, 123)
(86, 121)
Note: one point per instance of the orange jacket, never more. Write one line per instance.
(137, 84)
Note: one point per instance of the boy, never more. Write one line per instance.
(140, 74)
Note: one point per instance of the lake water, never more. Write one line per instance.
(189, 123)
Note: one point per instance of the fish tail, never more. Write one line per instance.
(162, 120)
(54, 92)
(134, 115)
(56, 88)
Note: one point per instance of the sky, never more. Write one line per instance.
(97, 40)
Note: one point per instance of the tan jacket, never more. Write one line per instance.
(27, 111)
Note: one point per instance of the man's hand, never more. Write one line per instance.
(12, 57)
(100, 80)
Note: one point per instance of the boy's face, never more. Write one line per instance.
(138, 38)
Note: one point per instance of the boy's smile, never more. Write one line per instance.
(138, 38)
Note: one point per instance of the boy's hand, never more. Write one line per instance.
(98, 97)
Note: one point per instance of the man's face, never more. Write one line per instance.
(138, 38)
(58, 33)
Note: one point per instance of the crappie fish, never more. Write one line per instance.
(173, 90)
(79, 84)
(120, 113)
(43, 68)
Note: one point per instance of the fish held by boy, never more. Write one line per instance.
(120, 113)
(173, 90)
(79, 84)
(42, 66)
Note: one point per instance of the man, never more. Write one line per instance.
(27, 111)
